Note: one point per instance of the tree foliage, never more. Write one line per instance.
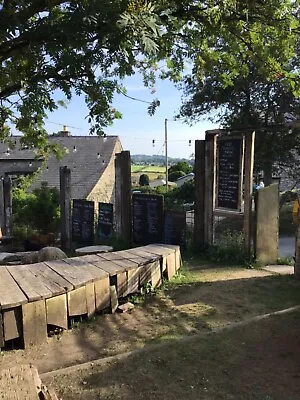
(87, 47)
(38, 210)
(180, 166)
(268, 107)
(238, 93)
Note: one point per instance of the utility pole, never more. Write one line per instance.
(166, 152)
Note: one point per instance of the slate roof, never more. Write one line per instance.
(87, 157)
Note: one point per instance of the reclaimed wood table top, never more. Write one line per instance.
(21, 284)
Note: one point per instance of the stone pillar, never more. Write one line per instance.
(123, 195)
(248, 188)
(7, 206)
(267, 224)
(199, 238)
(65, 207)
(210, 185)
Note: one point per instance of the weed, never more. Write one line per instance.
(230, 249)
(285, 261)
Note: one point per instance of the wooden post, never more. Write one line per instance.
(297, 248)
(199, 238)
(2, 214)
(65, 207)
(248, 187)
(7, 206)
(210, 185)
(123, 195)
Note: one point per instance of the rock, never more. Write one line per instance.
(50, 253)
(125, 307)
(22, 257)
(29, 257)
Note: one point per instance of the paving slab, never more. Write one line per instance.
(280, 269)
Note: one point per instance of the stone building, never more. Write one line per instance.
(90, 159)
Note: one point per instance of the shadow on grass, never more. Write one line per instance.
(256, 362)
(186, 309)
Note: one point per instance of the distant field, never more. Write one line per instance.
(153, 171)
(147, 168)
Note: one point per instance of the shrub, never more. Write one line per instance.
(144, 180)
(229, 249)
(38, 210)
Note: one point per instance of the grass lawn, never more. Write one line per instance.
(258, 362)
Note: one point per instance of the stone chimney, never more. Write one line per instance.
(64, 133)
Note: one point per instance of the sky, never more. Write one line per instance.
(137, 129)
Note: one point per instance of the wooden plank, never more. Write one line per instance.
(1, 331)
(118, 259)
(51, 279)
(156, 274)
(77, 302)
(133, 280)
(116, 272)
(113, 299)
(20, 382)
(122, 284)
(145, 273)
(57, 312)
(140, 251)
(72, 274)
(176, 248)
(90, 271)
(104, 265)
(90, 299)
(30, 284)
(102, 294)
(171, 265)
(13, 323)
(34, 323)
(158, 249)
(133, 257)
(10, 293)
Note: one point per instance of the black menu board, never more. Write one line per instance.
(229, 173)
(105, 220)
(147, 212)
(83, 222)
(175, 227)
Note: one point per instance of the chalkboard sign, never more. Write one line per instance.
(229, 173)
(83, 222)
(175, 228)
(105, 220)
(147, 211)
